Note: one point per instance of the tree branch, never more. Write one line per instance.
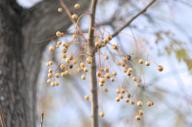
(133, 18)
(94, 92)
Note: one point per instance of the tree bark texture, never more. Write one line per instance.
(24, 34)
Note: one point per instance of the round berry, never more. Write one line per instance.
(160, 68)
(138, 117)
(140, 61)
(60, 9)
(101, 114)
(77, 6)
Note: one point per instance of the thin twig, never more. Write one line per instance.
(133, 18)
(68, 12)
(94, 92)
(42, 119)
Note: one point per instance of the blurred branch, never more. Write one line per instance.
(132, 19)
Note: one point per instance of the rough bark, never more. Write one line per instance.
(11, 77)
(23, 36)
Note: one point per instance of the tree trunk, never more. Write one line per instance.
(23, 36)
(12, 83)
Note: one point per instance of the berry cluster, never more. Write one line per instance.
(71, 63)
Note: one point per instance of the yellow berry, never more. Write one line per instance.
(86, 98)
(67, 60)
(50, 71)
(114, 46)
(107, 76)
(74, 16)
(83, 77)
(56, 84)
(134, 78)
(77, 6)
(57, 75)
(85, 69)
(132, 102)
(112, 79)
(101, 84)
(66, 45)
(160, 68)
(59, 34)
(147, 63)
(139, 103)
(99, 74)
(101, 114)
(74, 61)
(129, 70)
(150, 103)
(106, 69)
(50, 75)
(140, 61)
(126, 58)
(51, 49)
(48, 81)
(62, 67)
(121, 96)
(89, 60)
(64, 55)
(138, 117)
(118, 91)
(64, 51)
(98, 44)
(58, 44)
(52, 84)
(127, 100)
(140, 112)
(102, 80)
(82, 65)
(71, 57)
(63, 74)
(105, 41)
(74, 35)
(117, 99)
(60, 9)
(109, 38)
(114, 73)
(106, 57)
(122, 91)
